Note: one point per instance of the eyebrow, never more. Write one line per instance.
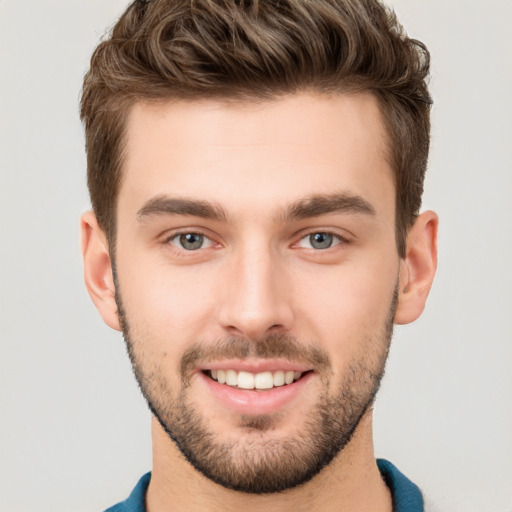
(317, 205)
(312, 206)
(163, 205)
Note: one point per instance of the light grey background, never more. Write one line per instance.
(74, 431)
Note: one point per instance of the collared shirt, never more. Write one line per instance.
(406, 495)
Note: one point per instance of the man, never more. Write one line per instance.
(256, 171)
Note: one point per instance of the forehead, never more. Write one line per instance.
(253, 155)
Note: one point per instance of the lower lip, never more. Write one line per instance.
(254, 402)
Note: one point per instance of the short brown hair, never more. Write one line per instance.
(250, 50)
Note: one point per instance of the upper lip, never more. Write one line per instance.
(254, 366)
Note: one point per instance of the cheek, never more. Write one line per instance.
(348, 305)
(167, 308)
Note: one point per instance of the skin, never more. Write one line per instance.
(258, 274)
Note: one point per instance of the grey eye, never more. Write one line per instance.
(321, 240)
(191, 241)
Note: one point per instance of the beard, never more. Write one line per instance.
(256, 461)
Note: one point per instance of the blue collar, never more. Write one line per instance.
(406, 495)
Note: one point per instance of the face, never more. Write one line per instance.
(256, 277)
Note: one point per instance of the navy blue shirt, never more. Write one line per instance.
(406, 495)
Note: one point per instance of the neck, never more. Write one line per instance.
(351, 482)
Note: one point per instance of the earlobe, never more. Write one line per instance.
(98, 269)
(417, 268)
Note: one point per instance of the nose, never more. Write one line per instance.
(256, 300)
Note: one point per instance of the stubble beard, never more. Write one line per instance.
(257, 462)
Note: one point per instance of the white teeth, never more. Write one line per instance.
(231, 378)
(247, 380)
(279, 378)
(264, 380)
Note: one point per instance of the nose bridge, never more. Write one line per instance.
(255, 301)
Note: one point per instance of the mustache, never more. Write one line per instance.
(269, 347)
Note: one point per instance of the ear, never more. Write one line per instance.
(417, 269)
(98, 269)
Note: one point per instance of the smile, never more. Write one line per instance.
(248, 380)
(255, 387)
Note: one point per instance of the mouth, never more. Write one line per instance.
(255, 381)
(253, 389)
